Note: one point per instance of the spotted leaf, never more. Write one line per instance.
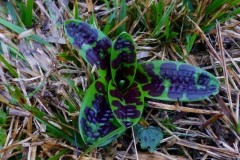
(123, 61)
(96, 119)
(92, 44)
(126, 106)
(172, 81)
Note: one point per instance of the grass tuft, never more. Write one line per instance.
(43, 79)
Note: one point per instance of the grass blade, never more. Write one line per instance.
(215, 5)
(162, 21)
(19, 30)
(122, 16)
(8, 66)
(190, 41)
(29, 13)
(75, 10)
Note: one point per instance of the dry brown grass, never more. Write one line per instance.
(204, 130)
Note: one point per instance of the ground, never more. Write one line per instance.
(43, 79)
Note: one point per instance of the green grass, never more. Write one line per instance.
(52, 92)
(26, 12)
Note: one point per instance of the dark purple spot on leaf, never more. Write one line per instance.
(100, 87)
(154, 88)
(89, 134)
(98, 102)
(127, 123)
(90, 115)
(123, 43)
(93, 57)
(116, 63)
(203, 79)
(175, 92)
(167, 66)
(99, 118)
(115, 93)
(82, 33)
(196, 95)
(71, 29)
(149, 69)
(128, 57)
(182, 80)
(102, 53)
(124, 57)
(104, 44)
(128, 71)
(107, 128)
(187, 68)
(127, 106)
(132, 95)
(128, 111)
(203, 88)
(140, 77)
(117, 103)
(155, 85)
(96, 135)
(120, 114)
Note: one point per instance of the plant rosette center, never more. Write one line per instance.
(116, 99)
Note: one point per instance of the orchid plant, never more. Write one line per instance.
(117, 97)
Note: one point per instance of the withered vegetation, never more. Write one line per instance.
(43, 79)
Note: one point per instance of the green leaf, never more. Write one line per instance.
(3, 117)
(126, 106)
(173, 81)
(59, 154)
(190, 41)
(100, 141)
(96, 119)
(123, 61)
(149, 137)
(215, 5)
(93, 45)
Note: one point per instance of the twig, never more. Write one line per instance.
(181, 108)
